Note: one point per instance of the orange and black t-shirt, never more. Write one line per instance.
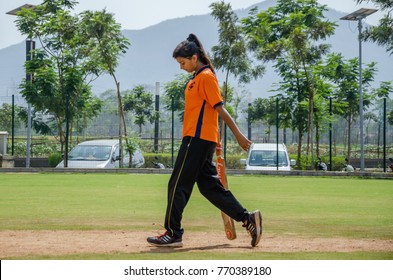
(202, 95)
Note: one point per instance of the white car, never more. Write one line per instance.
(100, 154)
(263, 156)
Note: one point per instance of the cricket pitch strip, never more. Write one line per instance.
(45, 243)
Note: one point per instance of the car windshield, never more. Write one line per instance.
(267, 158)
(92, 153)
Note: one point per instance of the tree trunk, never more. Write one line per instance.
(317, 140)
(310, 87)
(120, 110)
(299, 150)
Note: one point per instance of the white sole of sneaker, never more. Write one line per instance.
(258, 223)
(171, 245)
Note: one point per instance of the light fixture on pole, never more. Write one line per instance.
(358, 16)
(30, 45)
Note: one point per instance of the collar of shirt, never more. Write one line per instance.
(200, 70)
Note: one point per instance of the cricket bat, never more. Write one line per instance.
(229, 224)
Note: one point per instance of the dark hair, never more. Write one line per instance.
(190, 47)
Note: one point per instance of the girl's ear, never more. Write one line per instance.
(194, 58)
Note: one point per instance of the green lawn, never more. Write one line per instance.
(300, 206)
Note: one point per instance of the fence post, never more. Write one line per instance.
(173, 129)
(156, 123)
(384, 134)
(330, 134)
(13, 125)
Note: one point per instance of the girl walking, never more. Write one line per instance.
(194, 163)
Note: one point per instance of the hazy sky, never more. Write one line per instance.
(138, 14)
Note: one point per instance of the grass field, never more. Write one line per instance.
(301, 207)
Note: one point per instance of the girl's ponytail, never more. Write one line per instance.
(190, 47)
(201, 51)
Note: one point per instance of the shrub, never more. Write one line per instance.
(165, 159)
(337, 162)
(54, 159)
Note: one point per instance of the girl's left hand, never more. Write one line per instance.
(244, 142)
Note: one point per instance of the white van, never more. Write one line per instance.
(263, 156)
(100, 154)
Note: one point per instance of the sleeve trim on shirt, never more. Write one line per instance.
(218, 104)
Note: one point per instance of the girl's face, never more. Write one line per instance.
(188, 64)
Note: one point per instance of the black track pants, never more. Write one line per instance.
(194, 164)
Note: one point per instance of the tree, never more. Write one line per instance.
(239, 102)
(140, 102)
(231, 53)
(385, 88)
(174, 90)
(6, 117)
(293, 93)
(264, 109)
(345, 76)
(106, 43)
(132, 145)
(90, 110)
(292, 31)
(59, 68)
(382, 34)
(390, 117)
(103, 123)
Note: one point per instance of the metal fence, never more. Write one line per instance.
(106, 126)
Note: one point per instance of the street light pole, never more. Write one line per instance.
(361, 115)
(30, 45)
(359, 15)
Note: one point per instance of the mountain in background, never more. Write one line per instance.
(149, 58)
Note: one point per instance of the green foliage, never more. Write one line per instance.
(263, 109)
(165, 159)
(105, 40)
(19, 148)
(390, 117)
(233, 161)
(105, 43)
(291, 35)
(140, 102)
(289, 29)
(6, 117)
(306, 163)
(41, 150)
(345, 75)
(231, 53)
(303, 163)
(132, 144)
(174, 90)
(381, 33)
(54, 159)
(68, 59)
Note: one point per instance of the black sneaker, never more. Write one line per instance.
(254, 227)
(165, 240)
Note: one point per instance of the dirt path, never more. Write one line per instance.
(56, 243)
